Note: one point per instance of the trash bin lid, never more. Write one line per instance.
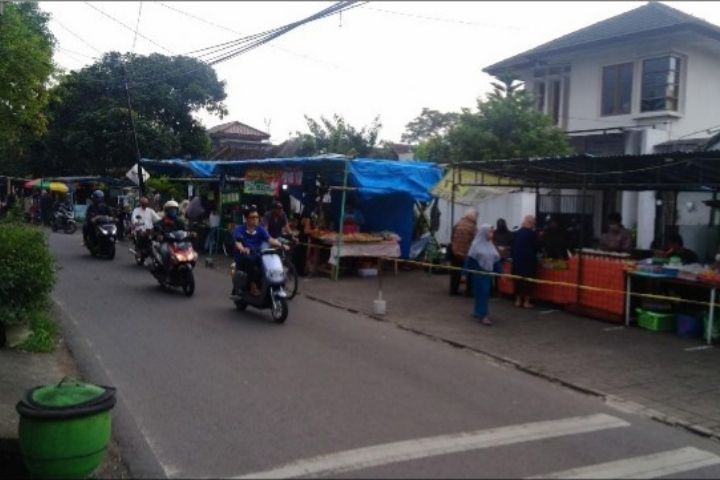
(67, 393)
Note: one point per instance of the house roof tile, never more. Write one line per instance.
(650, 18)
(237, 129)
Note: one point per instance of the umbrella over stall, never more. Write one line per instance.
(45, 184)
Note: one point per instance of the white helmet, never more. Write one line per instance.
(171, 204)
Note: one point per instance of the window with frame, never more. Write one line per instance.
(660, 84)
(617, 82)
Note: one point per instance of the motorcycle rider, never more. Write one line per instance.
(167, 224)
(248, 242)
(146, 222)
(96, 208)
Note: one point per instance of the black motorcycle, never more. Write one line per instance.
(63, 219)
(103, 242)
(272, 288)
(180, 263)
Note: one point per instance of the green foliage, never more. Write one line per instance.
(337, 136)
(89, 123)
(26, 48)
(428, 125)
(506, 125)
(43, 332)
(27, 272)
(167, 188)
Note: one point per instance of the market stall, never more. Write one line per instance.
(382, 191)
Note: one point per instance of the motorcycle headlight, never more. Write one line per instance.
(103, 231)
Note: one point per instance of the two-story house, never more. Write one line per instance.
(645, 81)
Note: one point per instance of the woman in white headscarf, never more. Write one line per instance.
(483, 256)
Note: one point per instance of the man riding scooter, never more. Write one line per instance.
(143, 219)
(248, 243)
(97, 208)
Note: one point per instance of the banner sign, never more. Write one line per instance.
(262, 181)
(292, 178)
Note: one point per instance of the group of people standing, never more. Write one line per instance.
(479, 252)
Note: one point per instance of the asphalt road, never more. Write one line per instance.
(206, 391)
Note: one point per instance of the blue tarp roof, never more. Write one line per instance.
(371, 177)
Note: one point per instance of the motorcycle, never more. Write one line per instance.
(103, 243)
(142, 244)
(181, 261)
(272, 288)
(63, 219)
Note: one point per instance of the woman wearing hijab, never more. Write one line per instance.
(483, 256)
(524, 252)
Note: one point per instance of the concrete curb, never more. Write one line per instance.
(613, 401)
(135, 451)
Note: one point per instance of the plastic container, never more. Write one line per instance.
(658, 322)
(367, 272)
(65, 428)
(688, 325)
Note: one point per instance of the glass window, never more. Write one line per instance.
(540, 96)
(617, 89)
(660, 84)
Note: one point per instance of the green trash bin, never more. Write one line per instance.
(65, 428)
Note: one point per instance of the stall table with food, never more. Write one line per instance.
(662, 276)
(366, 247)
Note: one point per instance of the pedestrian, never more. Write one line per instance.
(276, 221)
(483, 256)
(214, 224)
(502, 238)
(524, 252)
(46, 203)
(462, 236)
(617, 238)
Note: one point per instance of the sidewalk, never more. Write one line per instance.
(666, 377)
(21, 371)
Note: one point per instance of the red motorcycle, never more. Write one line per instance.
(180, 263)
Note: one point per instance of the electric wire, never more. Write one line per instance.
(85, 42)
(102, 12)
(236, 32)
(137, 27)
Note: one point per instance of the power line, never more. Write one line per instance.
(67, 50)
(228, 29)
(128, 27)
(447, 20)
(216, 55)
(137, 27)
(76, 36)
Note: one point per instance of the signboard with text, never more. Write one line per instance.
(260, 181)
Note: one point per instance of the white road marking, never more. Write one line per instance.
(613, 329)
(647, 466)
(696, 349)
(546, 312)
(361, 458)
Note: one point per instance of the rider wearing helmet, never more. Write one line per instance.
(170, 222)
(97, 208)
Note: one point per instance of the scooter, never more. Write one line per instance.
(272, 288)
(63, 219)
(103, 244)
(142, 244)
(182, 259)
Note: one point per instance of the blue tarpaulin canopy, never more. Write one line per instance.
(386, 189)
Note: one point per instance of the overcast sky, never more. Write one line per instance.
(384, 58)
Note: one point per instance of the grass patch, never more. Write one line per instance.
(43, 334)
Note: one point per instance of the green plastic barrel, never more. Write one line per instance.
(65, 428)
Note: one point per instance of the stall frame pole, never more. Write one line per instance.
(336, 273)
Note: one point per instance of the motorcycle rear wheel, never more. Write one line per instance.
(111, 252)
(70, 228)
(240, 305)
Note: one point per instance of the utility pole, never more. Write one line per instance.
(141, 180)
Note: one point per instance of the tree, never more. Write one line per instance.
(26, 49)
(506, 125)
(337, 136)
(430, 123)
(89, 122)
